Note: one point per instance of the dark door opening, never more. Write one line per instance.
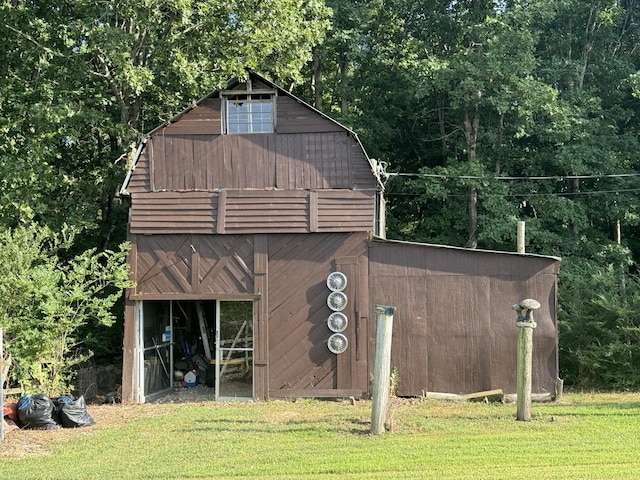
(196, 344)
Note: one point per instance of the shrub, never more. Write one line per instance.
(45, 300)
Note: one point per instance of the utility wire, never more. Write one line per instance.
(525, 194)
(381, 172)
(489, 177)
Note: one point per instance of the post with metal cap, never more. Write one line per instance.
(382, 369)
(525, 324)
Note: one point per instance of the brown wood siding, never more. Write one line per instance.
(171, 212)
(261, 317)
(249, 211)
(309, 161)
(454, 329)
(193, 267)
(313, 161)
(252, 211)
(203, 119)
(361, 173)
(345, 211)
(299, 360)
(139, 181)
(293, 117)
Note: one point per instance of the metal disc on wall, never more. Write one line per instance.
(337, 322)
(337, 281)
(337, 301)
(337, 343)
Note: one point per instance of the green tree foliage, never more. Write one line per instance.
(600, 324)
(46, 301)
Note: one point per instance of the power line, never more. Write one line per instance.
(525, 194)
(490, 177)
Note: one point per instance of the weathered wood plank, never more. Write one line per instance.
(289, 161)
(496, 395)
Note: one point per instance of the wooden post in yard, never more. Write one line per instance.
(525, 324)
(520, 239)
(1, 388)
(382, 369)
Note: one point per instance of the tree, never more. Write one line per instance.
(46, 301)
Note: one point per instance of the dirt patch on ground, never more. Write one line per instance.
(21, 442)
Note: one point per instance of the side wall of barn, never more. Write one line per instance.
(454, 329)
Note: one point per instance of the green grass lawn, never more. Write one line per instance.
(584, 436)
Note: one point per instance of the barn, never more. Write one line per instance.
(259, 255)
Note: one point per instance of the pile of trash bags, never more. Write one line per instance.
(39, 412)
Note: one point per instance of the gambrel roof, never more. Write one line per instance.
(188, 118)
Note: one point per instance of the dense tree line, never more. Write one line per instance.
(485, 112)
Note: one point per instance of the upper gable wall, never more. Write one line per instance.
(291, 117)
(308, 151)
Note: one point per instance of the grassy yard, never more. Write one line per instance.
(584, 436)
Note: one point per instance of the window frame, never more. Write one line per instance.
(251, 97)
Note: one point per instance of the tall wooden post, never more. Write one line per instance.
(382, 369)
(1, 387)
(520, 239)
(525, 324)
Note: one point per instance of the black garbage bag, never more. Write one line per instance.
(36, 412)
(73, 413)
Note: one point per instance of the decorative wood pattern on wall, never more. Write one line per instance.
(299, 359)
(454, 330)
(252, 211)
(193, 266)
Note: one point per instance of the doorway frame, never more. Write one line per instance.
(140, 395)
(219, 349)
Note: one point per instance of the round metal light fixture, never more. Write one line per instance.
(337, 322)
(337, 343)
(337, 281)
(337, 301)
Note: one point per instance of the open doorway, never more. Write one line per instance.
(195, 344)
(234, 348)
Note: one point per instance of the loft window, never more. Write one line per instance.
(249, 113)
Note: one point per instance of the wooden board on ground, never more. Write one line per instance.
(496, 395)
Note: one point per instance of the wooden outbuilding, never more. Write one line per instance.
(258, 252)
